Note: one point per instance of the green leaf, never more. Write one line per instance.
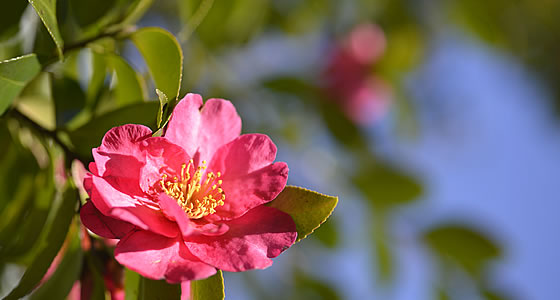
(46, 9)
(308, 209)
(129, 87)
(139, 9)
(211, 288)
(162, 102)
(87, 12)
(164, 58)
(52, 238)
(10, 16)
(308, 287)
(386, 187)
(67, 272)
(131, 284)
(158, 290)
(15, 73)
(327, 234)
(89, 135)
(465, 246)
(98, 74)
(69, 99)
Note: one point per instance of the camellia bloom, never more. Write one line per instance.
(361, 96)
(191, 201)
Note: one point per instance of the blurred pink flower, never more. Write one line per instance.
(191, 201)
(363, 97)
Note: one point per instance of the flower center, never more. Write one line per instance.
(198, 197)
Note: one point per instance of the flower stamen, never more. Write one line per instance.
(197, 197)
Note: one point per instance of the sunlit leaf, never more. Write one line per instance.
(211, 288)
(162, 104)
(52, 237)
(14, 75)
(308, 209)
(90, 134)
(468, 247)
(129, 87)
(46, 9)
(164, 58)
(131, 284)
(139, 9)
(158, 290)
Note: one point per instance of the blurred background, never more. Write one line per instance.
(434, 122)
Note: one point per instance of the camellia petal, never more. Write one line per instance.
(174, 212)
(114, 203)
(261, 234)
(157, 257)
(251, 190)
(201, 130)
(102, 225)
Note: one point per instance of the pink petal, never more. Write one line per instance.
(120, 141)
(262, 233)
(102, 225)
(157, 257)
(200, 130)
(220, 125)
(113, 203)
(243, 155)
(173, 211)
(161, 156)
(184, 125)
(251, 190)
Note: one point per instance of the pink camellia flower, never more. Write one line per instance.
(361, 96)
(191, 201)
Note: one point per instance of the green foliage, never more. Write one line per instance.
(50, 241)
(164, 58)
(386, 187)
(309, 288)
(46, 9)
(90, 134)
(67, 272)
(307, 208)
(131, 284)
(211, 288)
(157, 290)
(14, 75)
(465, 246)
(129, 88)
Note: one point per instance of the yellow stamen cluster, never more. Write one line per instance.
(196, 196)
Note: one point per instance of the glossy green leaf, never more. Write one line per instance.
(468, 247)
(52, 238)
(163, 101)
(98, 74)
(308, 209)
(131, 284)
(46, 9)
(211, 288)
(129, 86)
(15, 73)
(164, 58)
(386, 187)
(89, 135)
(158, 290)
(67, 272)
